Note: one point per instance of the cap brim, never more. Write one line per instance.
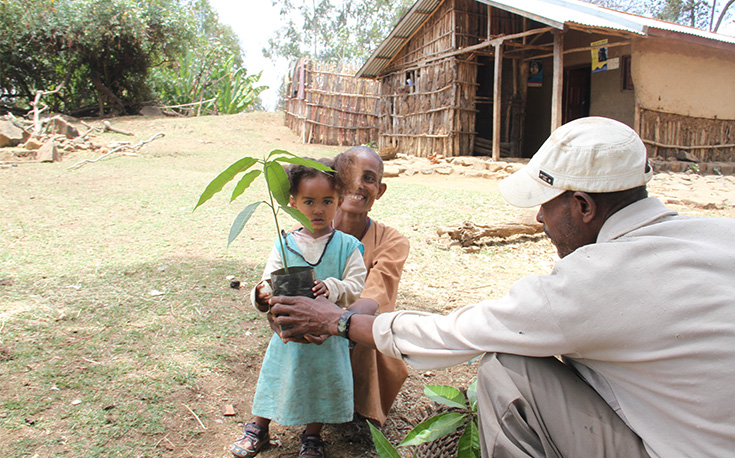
(522, 190)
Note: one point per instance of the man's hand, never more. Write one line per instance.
(317, 317)
(315, 339)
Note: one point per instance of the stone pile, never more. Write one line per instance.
(469, 166)
(54, 137)
(485, 167)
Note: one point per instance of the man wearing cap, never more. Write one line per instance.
(639, 308)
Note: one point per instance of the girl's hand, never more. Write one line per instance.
(263, 292)
(320, 289)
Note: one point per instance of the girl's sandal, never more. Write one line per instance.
(312, 446)
(250, 444)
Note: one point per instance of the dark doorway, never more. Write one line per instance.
(484, 106)
(576, 97)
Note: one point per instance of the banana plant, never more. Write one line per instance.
(441, 424)
(277, 185)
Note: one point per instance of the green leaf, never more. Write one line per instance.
(434, 428)
(278, 183)
(244, 183)
(225, 177)
(240, 221)
(296, 214)
(382, 445)
(472, 395)
(469, 443)
(305, 162)
(446, 395)
(279, 152)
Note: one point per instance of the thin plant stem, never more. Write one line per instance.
(275, 218)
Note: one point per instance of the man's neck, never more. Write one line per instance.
(354, 224)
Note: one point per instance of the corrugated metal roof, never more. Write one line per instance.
(555, 13)
(588, 14)
(409, 23)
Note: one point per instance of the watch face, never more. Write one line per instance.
(343, 322)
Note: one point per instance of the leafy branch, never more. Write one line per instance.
(441, 424)
(277, 185)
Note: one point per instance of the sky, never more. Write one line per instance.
(254, 22)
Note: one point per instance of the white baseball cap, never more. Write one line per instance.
(591, 154)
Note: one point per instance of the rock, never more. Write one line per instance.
(427, 171)
(514, 167)
(686, 156)
(391, 171)
(150, 111)
(60, 126)
(725, 168)
(32, 144)
(48, 152)
(470, 161)
(10, 134)
(496, 166)
(444, 170)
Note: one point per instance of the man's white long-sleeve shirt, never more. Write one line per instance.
(646, 315)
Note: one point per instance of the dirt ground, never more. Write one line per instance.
(687, 192)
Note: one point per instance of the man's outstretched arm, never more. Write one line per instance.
(318, 316)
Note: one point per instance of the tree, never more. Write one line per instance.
(694, 13)
(105, 52)
(210, 71)
(334, 30)
(723, 14)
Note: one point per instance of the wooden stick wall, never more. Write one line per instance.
(326, 104)
(666, 134)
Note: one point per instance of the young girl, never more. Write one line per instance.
(308, 383)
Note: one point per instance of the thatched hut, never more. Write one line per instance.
(485, 77)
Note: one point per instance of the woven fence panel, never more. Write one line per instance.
(326, 104)
(668, 134)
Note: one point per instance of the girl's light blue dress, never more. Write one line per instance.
(309, 383)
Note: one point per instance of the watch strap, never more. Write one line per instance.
(343, 325)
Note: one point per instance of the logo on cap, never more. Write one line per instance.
(546, 178)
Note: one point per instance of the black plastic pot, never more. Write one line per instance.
(297, 282)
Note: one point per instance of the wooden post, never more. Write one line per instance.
(454, 24)
(489, 21)
(557, 86)
(497, 99)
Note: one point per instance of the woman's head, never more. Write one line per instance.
(361, 168)
(316, 194)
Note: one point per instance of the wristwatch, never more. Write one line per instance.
(343, 325)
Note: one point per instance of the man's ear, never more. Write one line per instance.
(292, 201)
(585, 205)
(381, 190)
(340, 200)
